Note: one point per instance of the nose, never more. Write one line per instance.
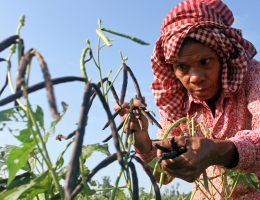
(197, 75)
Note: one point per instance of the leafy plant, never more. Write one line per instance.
(39, 177)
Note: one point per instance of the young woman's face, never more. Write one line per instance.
(198, 67)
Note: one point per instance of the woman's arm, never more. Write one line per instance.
(248, 141)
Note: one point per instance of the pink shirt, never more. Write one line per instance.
(237, 118)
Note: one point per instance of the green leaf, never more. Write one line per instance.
(5, 115)
(44, 184)
(35, 152)
(39, 116)
(92, 183)
(252, 179)
(130, 139)
(17, 159)
(120, 194)
(153, 163)
(60, 160)
(62, 172)
(27, 166)
(205, 180)
(4, 152)
(17, 182)
(24, 136)
(231, 175)
(64, 106)
(90, 191)
(89, 149)
(36, 186)
(51, 130)
(246, 179)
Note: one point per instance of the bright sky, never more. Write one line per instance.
(59, 29)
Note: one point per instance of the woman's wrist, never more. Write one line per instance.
(225, 153)
(142, 142)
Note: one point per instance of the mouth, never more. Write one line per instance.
(201, 92)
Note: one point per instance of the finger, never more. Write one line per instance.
(163, 145)
(139, 122)
(178, 162)
(174, 165)
(182, 141)
(144, 120)
(166, 143)
(163, 149)
(124, 108)
(180, 173)
(116, 107)
(159, 153)
(134, 125)
(138, 103)
(124, 105)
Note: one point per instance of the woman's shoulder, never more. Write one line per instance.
(253, 69)
(253, 64)
(252, 79)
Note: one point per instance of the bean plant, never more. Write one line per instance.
(30, 171)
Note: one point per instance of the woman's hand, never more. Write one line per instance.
(142, 141)
(201, 153)
(134, 125)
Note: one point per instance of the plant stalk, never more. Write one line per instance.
(44, 149)
(83, 175)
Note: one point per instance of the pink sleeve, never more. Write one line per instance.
(248, 141)
(148, 157)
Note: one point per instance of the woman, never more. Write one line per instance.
(203, 66)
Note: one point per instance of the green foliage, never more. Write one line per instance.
(34, 187)
(88, 150)
(24, 136)
(51, 130)
(39, 116)
(17, 159)
(154, 165)
(30, 171)
(5, 115)
(248, 180)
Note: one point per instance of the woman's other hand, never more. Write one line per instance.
(142, 141)
(201, 153)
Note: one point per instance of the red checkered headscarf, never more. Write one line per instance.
(209, 22)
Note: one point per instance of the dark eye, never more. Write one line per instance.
(182, 67)
(206, 61)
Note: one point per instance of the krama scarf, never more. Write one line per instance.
(209, 22)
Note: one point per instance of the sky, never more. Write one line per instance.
(59, 29)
